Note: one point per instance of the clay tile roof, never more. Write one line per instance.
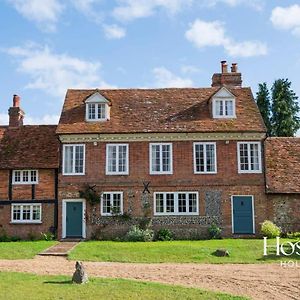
(282, 165)
(32, 146)
(159, 110)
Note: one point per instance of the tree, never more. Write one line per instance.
(263, 103)
(285, 121)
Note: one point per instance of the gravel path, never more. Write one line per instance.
(257, 281)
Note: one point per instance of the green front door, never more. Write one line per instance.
(73, 219)
(242, 214)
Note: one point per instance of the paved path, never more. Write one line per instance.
(60, 249)
(258, 281)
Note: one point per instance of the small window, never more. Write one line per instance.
(249, 157)
(96, 111)
(224, 108)
(161, 158)
(25, 177)
(73, 159)
(205, 158)
(117, 159)
(177, 203)
(112, 203)
(26, 213)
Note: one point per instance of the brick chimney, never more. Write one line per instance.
(225, 78)
(16, 114)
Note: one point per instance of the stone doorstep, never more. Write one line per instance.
(61, 249)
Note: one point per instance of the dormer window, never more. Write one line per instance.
(97, 108)
(96, 111)
(223, 104)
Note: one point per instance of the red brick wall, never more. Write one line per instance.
(45, 189)
(24, 230)
(227, 180)
(183, 172)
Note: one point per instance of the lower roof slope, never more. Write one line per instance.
(160, 110)
(31, 146)
(282, 165)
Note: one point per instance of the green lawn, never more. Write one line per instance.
(241, 251)
(26, 286)
(23, 250)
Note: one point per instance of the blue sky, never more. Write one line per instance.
(49, 46)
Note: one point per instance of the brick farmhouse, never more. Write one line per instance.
(178, 158)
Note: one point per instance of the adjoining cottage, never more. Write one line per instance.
(29, 161)
(182, 158)
(283, 181)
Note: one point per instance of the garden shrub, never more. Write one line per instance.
(293, 235)
(269, 229)
(214, 231)
(136, 234)
(164, 234)
(5, 238)
(47, 236)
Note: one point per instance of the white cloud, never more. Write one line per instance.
(55, 73)
(114, 31)
(246, 49)
(46, 119)
(207, 34)
(189, 69)
(133, 9)
(204, 34)
(256, 4)
(287, 18)
(44, 13)
(165, 78)
(28, 120)
(87, 7)
(3, 119)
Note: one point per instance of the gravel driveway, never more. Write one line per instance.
(257, 281)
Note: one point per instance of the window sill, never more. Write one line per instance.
(250, 172)
(24, 222)
(116, 174)
(24, 183)
(162, 173)
(205, 173)
(73, 174)
(176, 214)
(112, 215)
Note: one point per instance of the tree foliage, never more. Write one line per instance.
(285, 108)
(264, 105)
(281, 113)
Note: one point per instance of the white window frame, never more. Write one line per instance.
(205, 161)
(21, 221)
(150, 159)
(126, 172)
(176, 212)
(248, 150)
(96, 112)
(21, 177)
(111, 193)
(73, 167)
(223, 99)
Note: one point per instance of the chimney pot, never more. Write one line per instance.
(234, 68)
(225, 78)
(224, 66)
(16, 114)
(16, 101)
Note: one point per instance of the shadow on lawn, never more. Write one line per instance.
(59, 282)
